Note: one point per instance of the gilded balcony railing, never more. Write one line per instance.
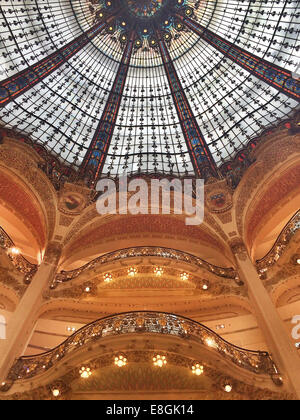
(257, 362)
(20, 263)
(161, 252)
(288, 232)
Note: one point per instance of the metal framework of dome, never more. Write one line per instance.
(176, 87)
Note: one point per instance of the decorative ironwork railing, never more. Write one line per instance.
(20, 263)
(150, 323)
(161, 252)
(281, 243)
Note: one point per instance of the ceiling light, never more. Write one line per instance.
(120, 361)
(132, 271)
(210, 342)
(71, 329)
(14, 251)
(85, 373)
(87, 289)
(228, 388)
(159, 361)
(107, 277)
(184, 276)
(55, 392)
(205, 286)
(197, 369)
(158, 271)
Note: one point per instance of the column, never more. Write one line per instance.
(21, 324)
(280, 344)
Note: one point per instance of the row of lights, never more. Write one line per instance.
(158, 271)
(158, 361)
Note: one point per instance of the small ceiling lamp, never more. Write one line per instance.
(210, 342)
(120, 361)
(205, 286)
(188, 11)
(88, 289)
(71, 329)
(85, 373)
(123, 23)
(158, 271)
(184, 276)
(228, 388)
(132, 271)
(295, 259)
(145, 31)
(56, 392)
(14, 251)
(197, 369)
(159, 361)
(107, 277)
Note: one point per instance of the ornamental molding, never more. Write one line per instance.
(276, 153)
(239, 249)
(140, 357)
(53, 253)
(14, 159)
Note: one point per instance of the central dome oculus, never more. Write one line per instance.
(145, 8)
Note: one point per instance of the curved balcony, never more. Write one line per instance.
(156, 323)
(284, 238)
(149, 251)
(19, 262)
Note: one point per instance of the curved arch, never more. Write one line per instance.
(21, 215)
(144, 230)
(272, 209)
(21, 164)
(279, 153)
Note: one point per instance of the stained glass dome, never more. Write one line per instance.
(175, 84)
